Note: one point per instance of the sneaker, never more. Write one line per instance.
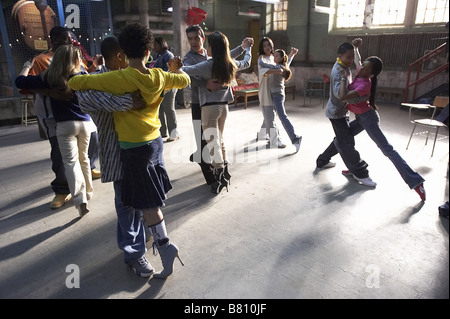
(297, 143)
(142, 267)
(421, 191)
(280, 144)
(173, 136)
(327, 165)
(367, 181)
(59, 200)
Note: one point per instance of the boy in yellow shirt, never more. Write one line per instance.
(145, 179)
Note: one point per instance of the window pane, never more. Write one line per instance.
(388, 12)
(350, 13)
(432, 11)
(280, 16)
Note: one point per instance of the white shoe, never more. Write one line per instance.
(280, 144)
(365, 181)
(173, 136)
(297, 144)
(328, 165)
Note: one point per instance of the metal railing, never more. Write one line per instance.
(419, 63)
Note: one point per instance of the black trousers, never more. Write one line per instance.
(344, 144)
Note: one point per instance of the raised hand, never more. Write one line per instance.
(248, 42)
(294, 51)
(357, 42)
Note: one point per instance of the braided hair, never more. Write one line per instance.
(377, 67)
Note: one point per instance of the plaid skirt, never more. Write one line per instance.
(145, 179)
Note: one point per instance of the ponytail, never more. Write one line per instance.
(287, 72)
(377, 67)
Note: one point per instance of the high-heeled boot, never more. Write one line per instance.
(168, 252)
(226, 173)
(220, 182)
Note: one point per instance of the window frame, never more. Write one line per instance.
(274, 13)
(409, 20)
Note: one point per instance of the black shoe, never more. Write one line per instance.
(207, 170)
(226, 174)
(208, 173)
(220, 181)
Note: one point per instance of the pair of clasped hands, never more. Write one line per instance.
(175, 64)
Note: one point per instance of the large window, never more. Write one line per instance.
(433, 11)
(280, 15)
(350, 13)
(388, 12)
(384, 13)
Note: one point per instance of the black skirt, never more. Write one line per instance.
(145, 179)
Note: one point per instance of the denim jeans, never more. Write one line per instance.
(130, 227)
(370, 121)
(278, 100)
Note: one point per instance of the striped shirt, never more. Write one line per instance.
(101, 105)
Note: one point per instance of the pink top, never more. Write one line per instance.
(363, 87)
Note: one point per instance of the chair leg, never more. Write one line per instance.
(304, 97)
(435, 138)
(428, 135)
(411, 135)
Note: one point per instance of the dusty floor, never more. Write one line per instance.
(284, 230)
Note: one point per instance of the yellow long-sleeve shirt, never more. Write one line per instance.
(134, 126)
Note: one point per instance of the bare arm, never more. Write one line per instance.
(357, 43)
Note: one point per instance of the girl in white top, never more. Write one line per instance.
(269, 129)
(282, 73)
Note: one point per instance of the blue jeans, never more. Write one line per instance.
(130, 227)
(278, 100)
(370, 121)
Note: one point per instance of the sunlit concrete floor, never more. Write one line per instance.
(284, 229)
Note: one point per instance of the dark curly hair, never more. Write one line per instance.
(135, 39)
